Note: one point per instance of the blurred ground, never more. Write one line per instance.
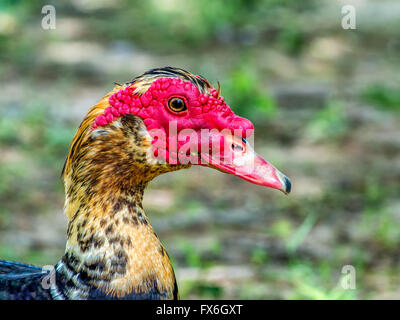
(325, 102)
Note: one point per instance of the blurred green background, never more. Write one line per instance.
(326, 106)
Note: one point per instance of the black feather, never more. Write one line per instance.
(20, 281)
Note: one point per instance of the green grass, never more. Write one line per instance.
(328, 124)
(246, 97)
(301, 233)
(382, 96)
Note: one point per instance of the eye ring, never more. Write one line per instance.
(177, 105)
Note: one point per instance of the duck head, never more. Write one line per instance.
(186, 122)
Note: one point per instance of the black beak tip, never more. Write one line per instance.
(288, 185)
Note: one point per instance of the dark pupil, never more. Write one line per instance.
(177, 104)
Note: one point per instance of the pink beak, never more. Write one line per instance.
(237, 157)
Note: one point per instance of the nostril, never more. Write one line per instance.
(236, 147)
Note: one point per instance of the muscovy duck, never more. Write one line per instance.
(164, 120)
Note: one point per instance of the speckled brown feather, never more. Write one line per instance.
(108, 231)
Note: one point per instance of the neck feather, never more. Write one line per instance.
(111, 245)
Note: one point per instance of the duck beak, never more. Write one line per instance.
(237, 157)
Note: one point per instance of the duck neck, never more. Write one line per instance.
(112, 248)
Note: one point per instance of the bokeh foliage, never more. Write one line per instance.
(325, 105)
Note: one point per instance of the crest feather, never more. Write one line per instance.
(85, 128)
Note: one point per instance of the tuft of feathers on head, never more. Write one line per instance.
(144, 81)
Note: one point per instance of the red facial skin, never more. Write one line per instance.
(204, 111)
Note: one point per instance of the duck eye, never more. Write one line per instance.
(177, 105)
